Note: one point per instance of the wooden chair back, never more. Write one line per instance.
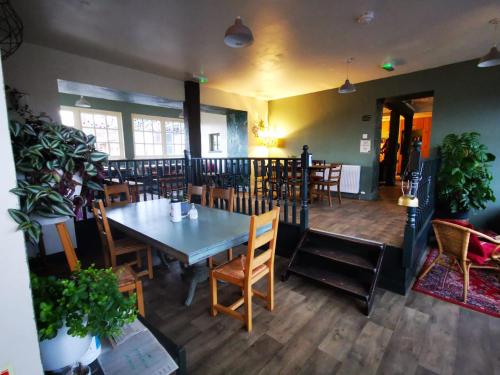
(113, 194)
(271, 219)
(334, 172)
(104, 229)
(221, 198)
(194, 190)
(452, 238)
(67, 244)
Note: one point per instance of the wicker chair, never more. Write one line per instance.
(453, 240)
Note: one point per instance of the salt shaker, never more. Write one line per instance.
(193, 212)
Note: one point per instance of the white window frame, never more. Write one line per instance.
(77, 116)
(163, 120)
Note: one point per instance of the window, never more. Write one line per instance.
(158, 137)
(106, 126)
(214, 142)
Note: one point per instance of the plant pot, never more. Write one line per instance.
(63, 350)
(447, 214)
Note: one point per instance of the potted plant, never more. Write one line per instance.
(58, 167)
(464, 178)
(69, 312)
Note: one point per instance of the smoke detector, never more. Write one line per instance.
(366, 18)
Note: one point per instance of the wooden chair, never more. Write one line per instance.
(453, 240)
(114, 248)
(201, 191)
(113, 194)
(223, 199)
(324, 186)
(245, 271)
(128, 281)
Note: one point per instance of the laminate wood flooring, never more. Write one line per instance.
(314, 330)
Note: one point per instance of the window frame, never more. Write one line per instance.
(77, 117)
(163, 120)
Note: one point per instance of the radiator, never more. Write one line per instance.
(349, 181)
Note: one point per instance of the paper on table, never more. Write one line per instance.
(127, 332)
(140, 355)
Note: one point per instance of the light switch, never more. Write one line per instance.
(365, 136)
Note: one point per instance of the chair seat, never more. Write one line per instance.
(128, 245)
(234, 270)
(125, 275)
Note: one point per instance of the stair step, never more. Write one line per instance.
(337, 280)
(341, 255)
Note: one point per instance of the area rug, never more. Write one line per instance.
(447, 284)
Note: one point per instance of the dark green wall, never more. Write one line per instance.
(466, 98)
(237, 133)
(126, 110)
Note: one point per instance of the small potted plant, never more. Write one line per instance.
(69, 312)
(464, 178)
(58, 167)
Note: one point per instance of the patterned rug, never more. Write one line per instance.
(447, 285)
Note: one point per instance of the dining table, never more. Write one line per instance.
(190, 241)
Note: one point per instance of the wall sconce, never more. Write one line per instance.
(265, 134)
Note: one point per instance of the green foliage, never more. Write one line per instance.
(464, 178)
(49, 155)
(89, 302)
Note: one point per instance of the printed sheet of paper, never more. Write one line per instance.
(141, 354)
(127, 332)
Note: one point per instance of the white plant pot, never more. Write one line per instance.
(63, 350)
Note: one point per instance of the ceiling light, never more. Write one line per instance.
(492, 58)
(366, 18)
(82, 102)
(347, 87)
(238, 35)
(11, 29)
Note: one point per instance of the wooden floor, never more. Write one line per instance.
(313, 330)
(381, 220)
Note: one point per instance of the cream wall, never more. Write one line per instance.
(18, 336)
(213, 123)
(35, 69)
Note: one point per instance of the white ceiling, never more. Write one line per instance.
(300, 45)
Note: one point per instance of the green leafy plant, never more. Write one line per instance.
(88, 302)
(464, 178)
(48, 156)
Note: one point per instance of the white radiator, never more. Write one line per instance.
(349, 181)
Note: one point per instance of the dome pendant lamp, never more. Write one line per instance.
(347, 87)
(238, 35)
(492, 58)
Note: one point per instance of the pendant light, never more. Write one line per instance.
(238, 35)
(492, 58)
(11, 29)
(82, 102)
(347, 87)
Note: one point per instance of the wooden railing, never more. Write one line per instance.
(418, 224)
(259, 183)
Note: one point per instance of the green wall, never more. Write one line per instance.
(466, 98)
(126, 110)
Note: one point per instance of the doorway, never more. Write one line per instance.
(404, 120)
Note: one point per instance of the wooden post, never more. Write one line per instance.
(192, 117)
(188, 170)
(413, 174)
(305, 162)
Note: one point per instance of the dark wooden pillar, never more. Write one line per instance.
(192, 117)
(392, 149)
(407, 139)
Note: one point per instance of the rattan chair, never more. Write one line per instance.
(453, 240)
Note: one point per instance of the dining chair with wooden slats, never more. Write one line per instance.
(197, 191)
(223, 199)
(128, 280)
(245, 271)
(323, 187)
(114, 194)
(114, 248)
